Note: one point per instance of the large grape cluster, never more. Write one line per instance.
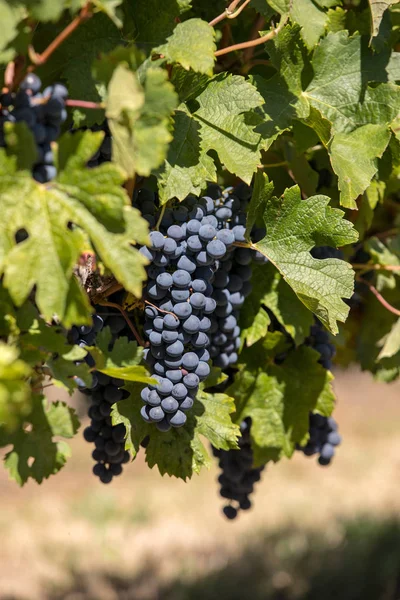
(109, 440)
(197, 282)
(43, 112)
(238, 474)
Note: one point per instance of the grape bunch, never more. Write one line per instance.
(238, 474)
(197, 282)
(185, 254)
(109, 440)
(43, 112)
(324, 436)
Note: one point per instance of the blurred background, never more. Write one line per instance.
(314, 533)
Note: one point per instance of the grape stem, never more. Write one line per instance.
(249, 44)
(167, 312)
(160, 217)
(127, 319)
(85, 104)
(106, 291)
(40, 59)
(379, 297)
(230, 12)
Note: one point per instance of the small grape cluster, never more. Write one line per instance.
(238, 474)
(43, 112)
(109, 439)
(324, 436)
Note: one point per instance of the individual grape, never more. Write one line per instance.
(180, 295)
(198, 300)
(190, 361)
(192, 324)
(183, 310)
(186, 404)
(175, 232)
(178, 419)
(170, 246)
(175, 349)
(194, 243)
(156, 413)
(170, 321)
(186, 263)
(174, 375)
(181, 278)
(164, 280)
(169, 404)
(202, 370)
(169, 336)
(193, 227)
(207, 232)
(216, 249)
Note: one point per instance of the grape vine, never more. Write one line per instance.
(200, 221)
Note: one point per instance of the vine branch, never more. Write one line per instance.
(40, 59)
(367, 267)
(230, 12)
(379, 297)
(249, 44)
(127, 319)
(84, 104)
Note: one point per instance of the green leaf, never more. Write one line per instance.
(339, 89)
(35, 454)
(271, 291)
(188, 166)
(311, 19)
(279, 399)
(192, 46)
(10, 16)
(391, 342)
(379, 10)
(151, 25)
(122, 361)
(226, 123)
(258, 327)
(20, 143)
(354, 159)
(139, 119)
(92, 200)
(15, 391)
(179, 452)
(282, 93)
(294, 226)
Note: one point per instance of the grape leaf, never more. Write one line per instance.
(271, 291)
(294, 226)
(122, 361)
(311, 19)
(47, 257)
(279, 399)
(391, 342)
(10, 17)
(139, 119)
(282, 93)
(354, 159)
(152, 25)
(35, 454)
(226, 123)
(192, 46)
(15, 391)
(187, 166)
(379, 10)
(179, 452)
(343, 66)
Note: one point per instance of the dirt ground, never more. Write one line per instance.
(313, 532)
